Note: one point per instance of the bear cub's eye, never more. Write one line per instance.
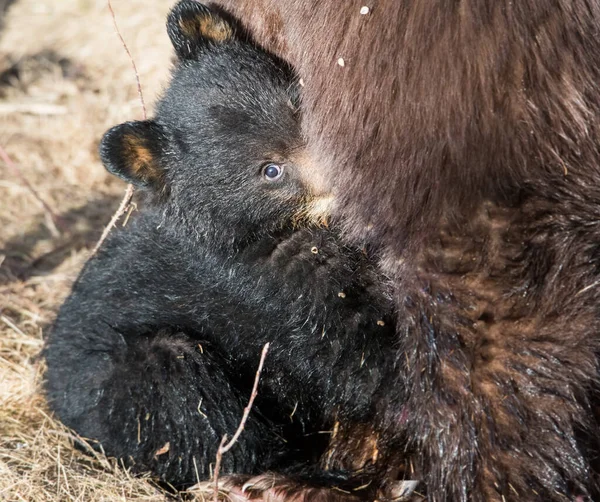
(273, 172)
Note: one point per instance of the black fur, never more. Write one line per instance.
(154, 353)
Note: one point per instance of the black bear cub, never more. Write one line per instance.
(154, 353)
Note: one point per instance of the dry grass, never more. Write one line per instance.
(64, 79)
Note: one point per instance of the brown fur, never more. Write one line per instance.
(140, 160)
(462, 137)
(206, 26)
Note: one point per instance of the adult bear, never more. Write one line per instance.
(462, 137)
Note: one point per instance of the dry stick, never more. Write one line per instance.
(129, 190)
(137, 75)
(115, 217)
(224, 448)
(56, 220)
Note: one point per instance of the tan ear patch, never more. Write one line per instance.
(140, 161)
(206, 26)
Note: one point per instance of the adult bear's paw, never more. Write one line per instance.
(273, 487)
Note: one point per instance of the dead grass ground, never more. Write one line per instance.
(64, 79)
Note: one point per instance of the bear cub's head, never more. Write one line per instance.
(224, 153)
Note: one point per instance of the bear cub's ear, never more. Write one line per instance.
(134, 151)
(193, 26)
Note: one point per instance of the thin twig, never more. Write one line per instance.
(129, 190)
(224, 448)
(135, 71)
(56, 220)
(115, 217)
